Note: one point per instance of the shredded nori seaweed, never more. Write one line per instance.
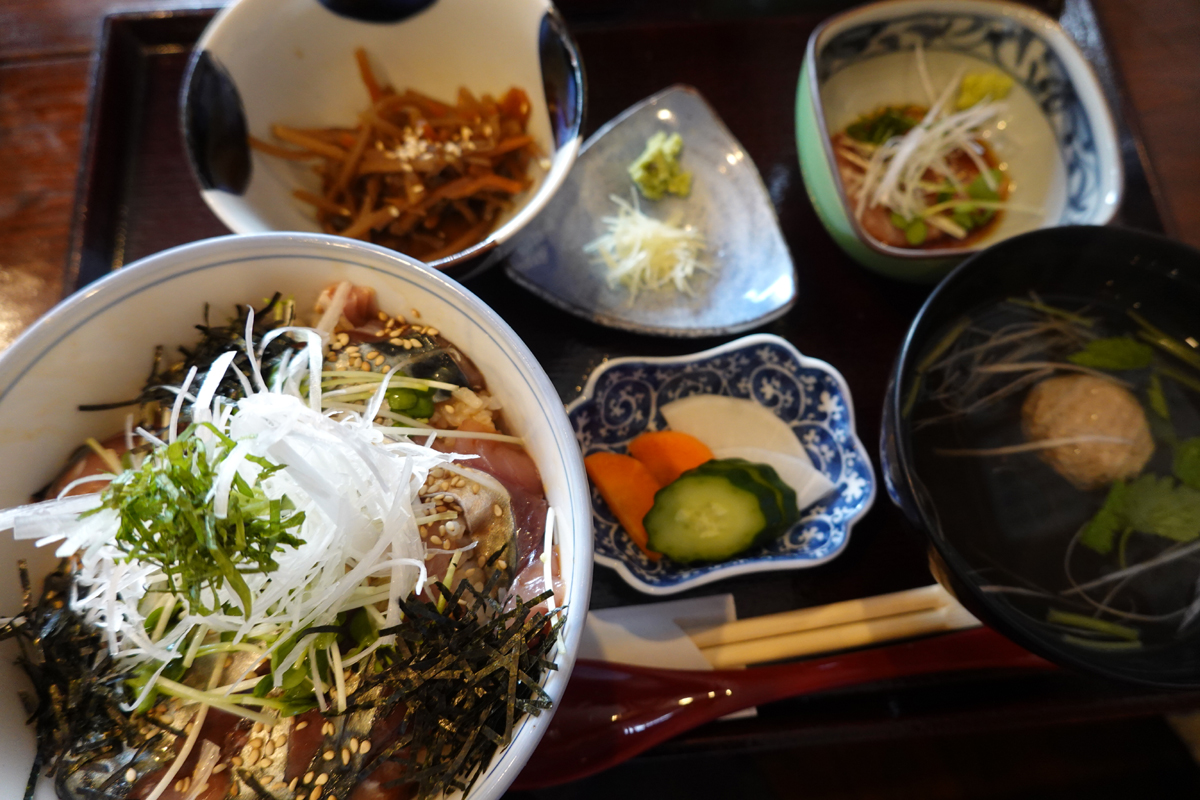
(214, 341)
(84, 738)
(461, 679)
(464, 678)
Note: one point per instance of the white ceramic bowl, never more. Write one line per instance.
(262, 62)
(97, 346)
(1058, 136)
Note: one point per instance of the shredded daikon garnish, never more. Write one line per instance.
(928, 145)
(641, 252)
(357, 492)
(932, 173)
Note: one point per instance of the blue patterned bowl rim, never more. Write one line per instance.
(1079, 77)
(764, 563)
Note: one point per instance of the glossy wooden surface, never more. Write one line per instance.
(650, 706)
(45, 51)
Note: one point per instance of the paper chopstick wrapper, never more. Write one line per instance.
(656, 634)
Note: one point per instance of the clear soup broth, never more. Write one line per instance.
(1059, 441)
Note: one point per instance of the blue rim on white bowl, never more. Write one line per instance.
(622, 399)
(98, 343)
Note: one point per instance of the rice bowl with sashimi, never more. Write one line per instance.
(317, 556)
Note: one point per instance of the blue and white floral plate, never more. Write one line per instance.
(622, 399)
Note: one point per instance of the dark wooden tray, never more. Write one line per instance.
(137, 197)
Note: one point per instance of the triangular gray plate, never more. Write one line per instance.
(753, 281)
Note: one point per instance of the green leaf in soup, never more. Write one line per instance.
(1156, 505)
(1101, 531)
(1187, 462)
(1114, 353)
(1056, 617)
(1156, 398)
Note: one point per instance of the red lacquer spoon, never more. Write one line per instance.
(611, 712)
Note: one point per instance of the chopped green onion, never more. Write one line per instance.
(1056, 617)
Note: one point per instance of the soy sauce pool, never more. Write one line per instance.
(1012, 517)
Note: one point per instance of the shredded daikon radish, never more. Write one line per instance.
(358, 490)
(897, 175)
(210, 754)
(548, 557)
(641, 252)
(333, 312)
(197, 724)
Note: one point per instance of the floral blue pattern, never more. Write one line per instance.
(623, 398)
(1012, 47)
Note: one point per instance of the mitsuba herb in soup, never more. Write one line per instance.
(1059, 442)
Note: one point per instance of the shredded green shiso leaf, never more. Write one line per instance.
(167, 519)
(884, 124)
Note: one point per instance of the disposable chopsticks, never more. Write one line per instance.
(837, 626)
